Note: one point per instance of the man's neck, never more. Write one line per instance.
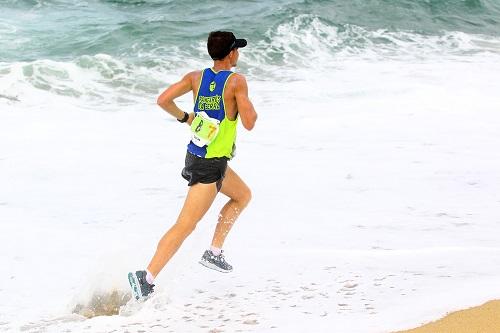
(221, 65)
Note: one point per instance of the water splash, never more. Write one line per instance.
(103, 304)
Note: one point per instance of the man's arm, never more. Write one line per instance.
(246, 110)
(166, 99)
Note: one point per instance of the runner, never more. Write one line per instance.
(220, 99)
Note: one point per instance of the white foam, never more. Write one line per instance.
(307, 43)
(374, 182)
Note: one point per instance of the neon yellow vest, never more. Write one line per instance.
(210, 102)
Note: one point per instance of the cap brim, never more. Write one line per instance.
(240, 43)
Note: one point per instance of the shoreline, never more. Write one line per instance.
(484, 318)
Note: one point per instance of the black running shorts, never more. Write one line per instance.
(204, 170)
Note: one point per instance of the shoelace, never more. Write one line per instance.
(151, 286)
(220, 257)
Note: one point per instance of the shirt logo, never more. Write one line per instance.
(209, 102)
(212, 86)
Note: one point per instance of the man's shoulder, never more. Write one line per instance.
(194, 74)
(238, 76)
(237, 79)
(192, 77)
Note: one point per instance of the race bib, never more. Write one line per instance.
(204, 129)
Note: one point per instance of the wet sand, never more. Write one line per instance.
(480, 319)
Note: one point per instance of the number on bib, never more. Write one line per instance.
(204, 129)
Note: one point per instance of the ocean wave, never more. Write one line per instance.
(310, 42)
(99, 79)
(127, 61)
(306, 43)
(62, 29)
(426, 16)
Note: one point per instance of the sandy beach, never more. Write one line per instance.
(481, 319)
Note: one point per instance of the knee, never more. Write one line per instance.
(245, 197)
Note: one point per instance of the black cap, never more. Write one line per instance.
(220, 43)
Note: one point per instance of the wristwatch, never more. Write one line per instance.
(185, 118)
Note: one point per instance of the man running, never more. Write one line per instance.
(220, 98)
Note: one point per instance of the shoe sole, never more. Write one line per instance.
(134, 284)
(214, 267)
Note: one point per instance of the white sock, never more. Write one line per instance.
(149, 277)
(215, 250)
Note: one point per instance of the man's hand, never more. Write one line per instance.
(190, 119)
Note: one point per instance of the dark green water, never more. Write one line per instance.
(61, 30)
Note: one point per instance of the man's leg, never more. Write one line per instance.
(199, 199)
(239, 196)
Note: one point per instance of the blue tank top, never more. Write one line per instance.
(210, 99)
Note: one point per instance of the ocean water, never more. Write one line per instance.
(108, 52)
(374, 164)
